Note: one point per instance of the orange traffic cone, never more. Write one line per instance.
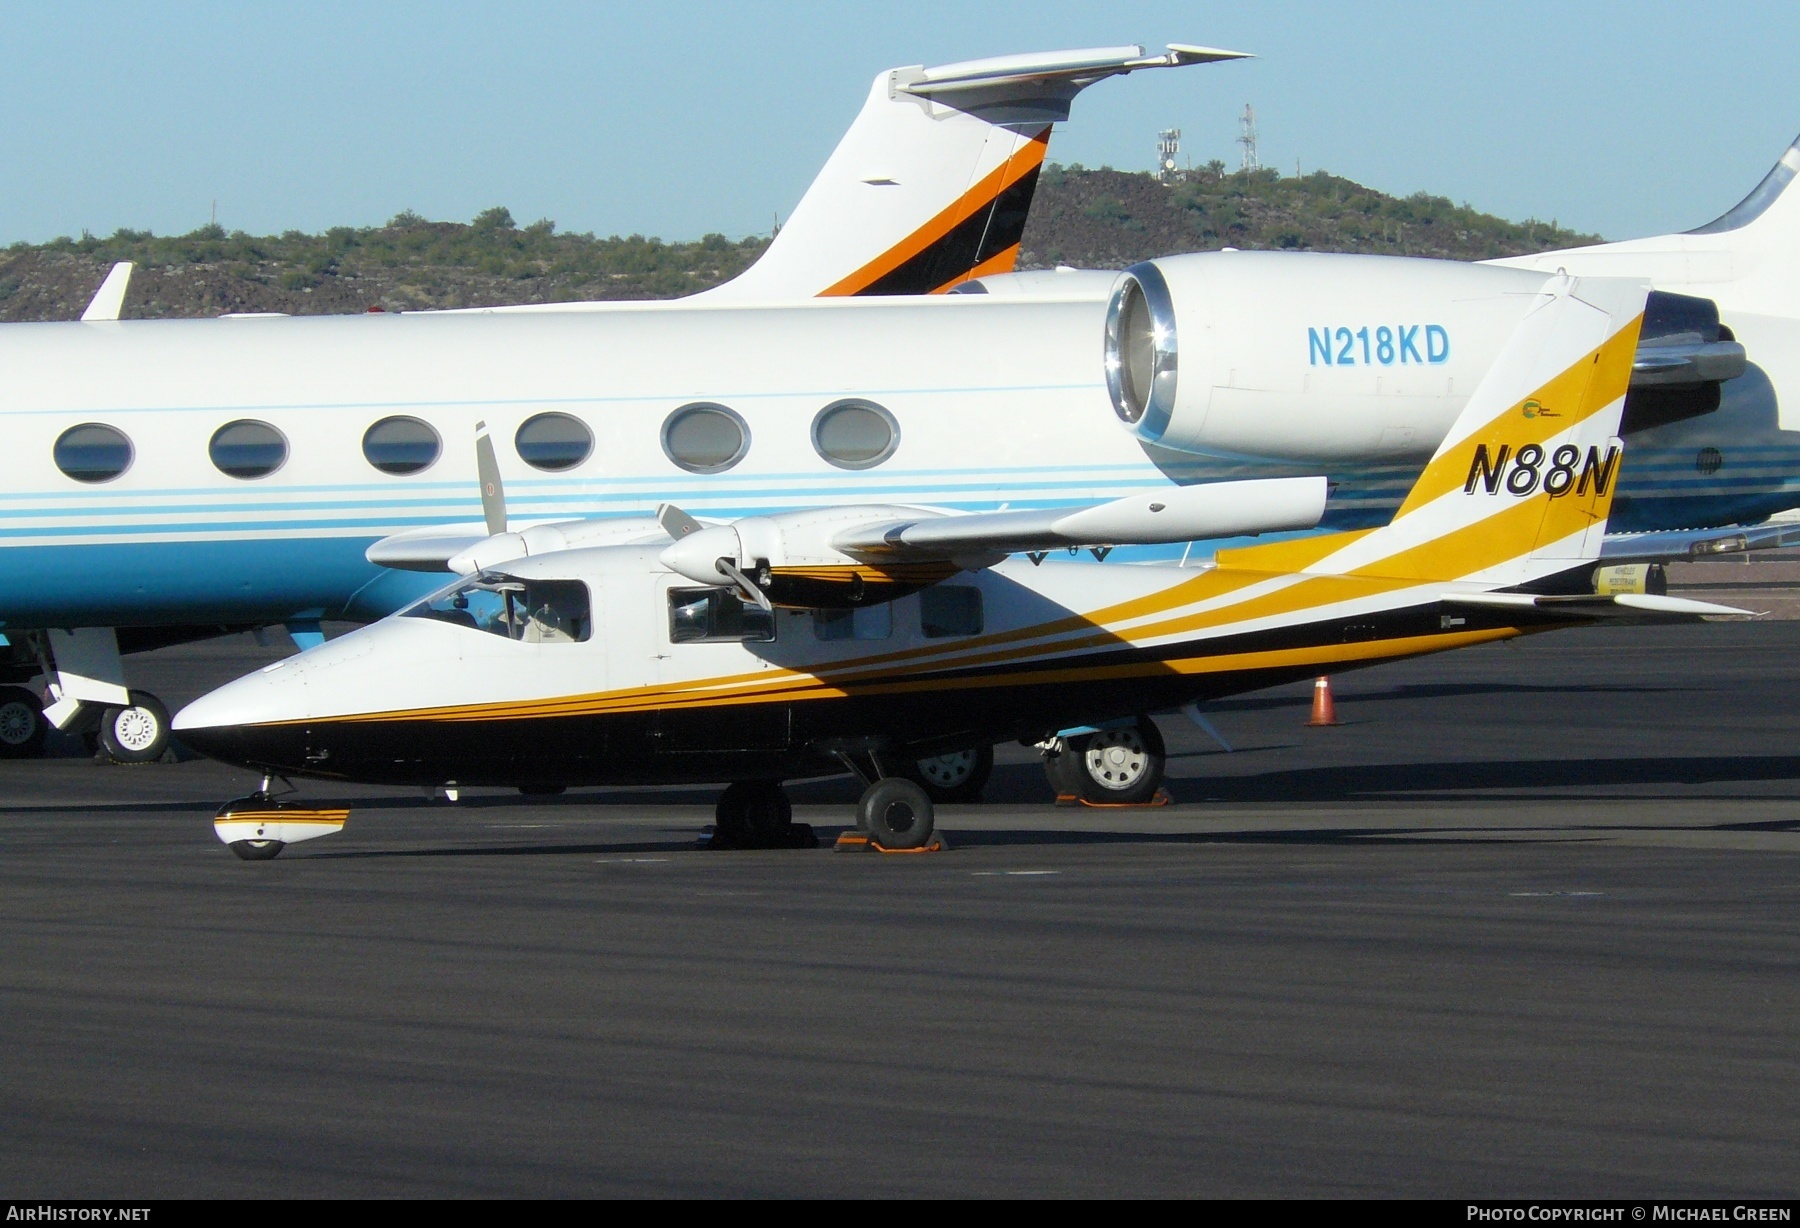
(1324, 711)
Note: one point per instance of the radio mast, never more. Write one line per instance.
(1247, 138)
(1168, 144)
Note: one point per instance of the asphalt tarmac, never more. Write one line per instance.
(1526, 924)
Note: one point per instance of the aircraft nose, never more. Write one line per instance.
(256, 721)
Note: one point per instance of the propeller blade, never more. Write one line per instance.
(675, 522)
(493, 494)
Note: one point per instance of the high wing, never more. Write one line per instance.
(858, 553)
(1184, 513)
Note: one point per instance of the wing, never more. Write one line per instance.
(857, 555)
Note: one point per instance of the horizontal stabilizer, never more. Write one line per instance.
(1697, 543)
(1085, 67)
(1185, 513)
(1590, 605)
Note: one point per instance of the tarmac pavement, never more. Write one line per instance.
(1526, 924)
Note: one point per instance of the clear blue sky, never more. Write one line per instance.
(676, 119)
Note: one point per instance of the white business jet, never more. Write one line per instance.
(171, 480)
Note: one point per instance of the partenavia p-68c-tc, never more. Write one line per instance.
(799, 644)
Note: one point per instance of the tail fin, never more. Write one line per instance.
(932, 184)
(1521, 487)
(1746, 261)
(1769, 205)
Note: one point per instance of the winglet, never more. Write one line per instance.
(109, 299)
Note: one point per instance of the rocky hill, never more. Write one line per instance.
(1088, 218)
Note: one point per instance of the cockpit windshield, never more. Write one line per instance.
(531, 611)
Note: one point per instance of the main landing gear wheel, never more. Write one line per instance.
(136, 734)
(957, 777)
(756, 814)
(897, 813)
(22, 725)
(1116, 767)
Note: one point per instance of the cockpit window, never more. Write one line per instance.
(531, 611)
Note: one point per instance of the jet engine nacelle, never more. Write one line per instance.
(1325, 358)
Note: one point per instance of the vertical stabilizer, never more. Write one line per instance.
(932, 184)
(1521, 487)
(1747, 260)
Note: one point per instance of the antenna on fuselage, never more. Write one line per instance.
(493, 494)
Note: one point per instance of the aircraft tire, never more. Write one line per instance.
(1118, 767)
(957, 777)
(753, 814)
(22, 725)
(257, 850)
(137, 734)
(897, 813)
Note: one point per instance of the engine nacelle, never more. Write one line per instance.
(1325, 358)
(1305, 356)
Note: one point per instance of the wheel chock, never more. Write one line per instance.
(862, 842)
(1161, 797)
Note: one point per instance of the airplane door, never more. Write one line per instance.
(707, 665)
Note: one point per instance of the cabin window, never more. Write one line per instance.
(855, 434)
(92, 452)
(248, 449)
(553, 442)
(949, 609)
(871, 622)
(705, 438)
(530, 611)
(401, 445)
(717, 615)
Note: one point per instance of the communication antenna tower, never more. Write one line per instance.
(1247, 138)
(1168, 144)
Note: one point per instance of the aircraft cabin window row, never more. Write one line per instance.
(703, 437)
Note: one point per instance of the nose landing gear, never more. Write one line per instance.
(257, 828)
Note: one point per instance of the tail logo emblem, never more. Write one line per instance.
(1533, 409)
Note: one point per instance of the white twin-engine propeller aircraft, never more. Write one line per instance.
(861, 637)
